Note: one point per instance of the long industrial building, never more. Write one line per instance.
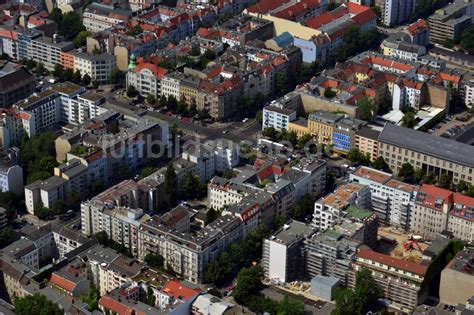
(431, 154)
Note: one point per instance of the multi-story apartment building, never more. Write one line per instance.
(457, 279)
(329, 209)
(146, 78)
(392, 200)
(431, 154)
(11, 174)
(97, 66)
(469, 94)
(68, 93)
(366, 140)
(170, 84)
(448, 23)
(54, 240)
(217, 156)
(48, 50)
(45, 192)
(17, 83)
(396, 47)
(397, 11)
(286, 185)
(83, 107)
(120, 271)
(76, 175)
(437, 210)
(40, 112)
(98, 17)
(23, 251)
(419, 32)
(187, 252)
(221, 97)
(401, 280)
(62, 103)
(330, 254)
(284, 254)
(321, 125)
(189, 89)
(121, 224)
(277, 117)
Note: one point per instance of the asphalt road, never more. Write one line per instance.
(234, 131)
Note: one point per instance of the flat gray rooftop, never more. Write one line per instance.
(292, 232)
(429, 144)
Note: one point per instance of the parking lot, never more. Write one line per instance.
(450, 127)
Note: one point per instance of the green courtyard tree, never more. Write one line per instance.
(248, 284)
(408, 120)
(151, 100)
(406, 172)
(81, 39)
(86, 79)
(58, 71)
(36, 304)
(445, 181)
(467, 39)
(282, 83)
(131, 91)
(117, 77)
(154, 260)
(380, 164)
(171, 186)
(71, 25)
(360, 300)
(77, 77)
(91, 298)
(367, 108)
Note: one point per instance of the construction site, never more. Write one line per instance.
(401, 245)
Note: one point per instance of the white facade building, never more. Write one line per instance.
(170, 84)
(392, 200)
(469, 94)
(45, 192)
(98, 17)
(98, 67)
(146, 78)
(329, 209)
(277, 117)
(48, 50)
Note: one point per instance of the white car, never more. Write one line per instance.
(245, 120)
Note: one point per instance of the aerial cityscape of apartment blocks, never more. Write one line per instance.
(233, 157)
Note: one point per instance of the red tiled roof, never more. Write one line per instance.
(62, 283)
(364, 17)
(178, 290)
(461, 206)
(24, 116)
(449, 77)
(355, 8)
(265, 6)
(429, 194)
(391, 261)
(297, 8)
(417, 27)
(158, 72)
(114, 305)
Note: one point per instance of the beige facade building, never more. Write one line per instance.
(438, 209)
(457, 279)
(430, 153)
(187, 252)
(400, 279)
(366, 141)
